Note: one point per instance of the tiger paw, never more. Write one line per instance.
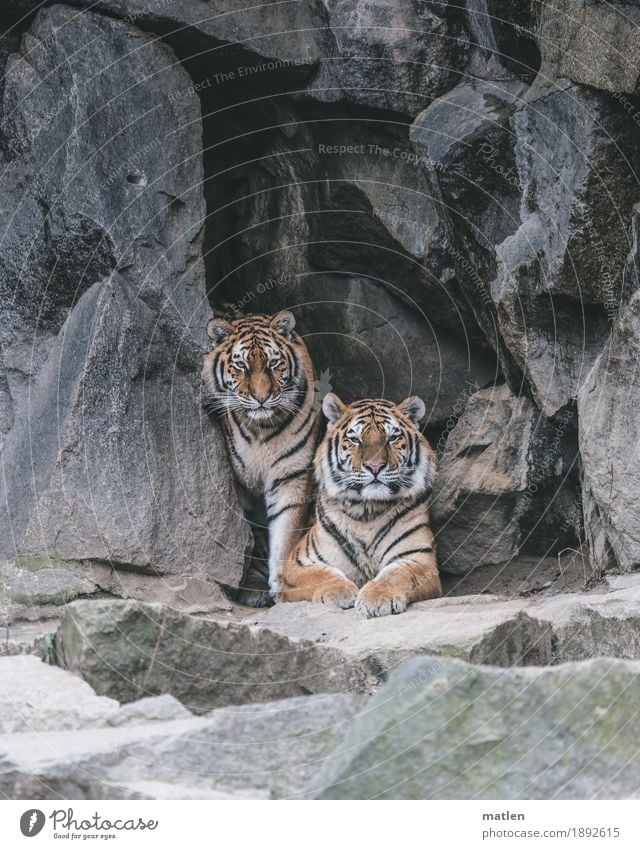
(379, 600)
(338, 593)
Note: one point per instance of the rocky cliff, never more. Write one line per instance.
(445, 194)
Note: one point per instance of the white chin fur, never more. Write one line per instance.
(259, 414)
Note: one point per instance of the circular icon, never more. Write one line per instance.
(32, 822)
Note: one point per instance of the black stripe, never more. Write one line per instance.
(296, 447)
(386, 527)
(335, 532)
(273, 517)
(424, 550)
(403, 536)
(278, 481)
(234, 451)
(316, 552)
(310, 414)
(247, 438)
(281, 427)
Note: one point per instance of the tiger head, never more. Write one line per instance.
(255, 366)
(373, 451)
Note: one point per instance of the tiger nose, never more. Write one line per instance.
(375, 468)
(261, 397)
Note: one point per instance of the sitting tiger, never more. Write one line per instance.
(260, 381)
(370, 544)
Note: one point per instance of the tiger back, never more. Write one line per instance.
(259, 381)
(370, 545)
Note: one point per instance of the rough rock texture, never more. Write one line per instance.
(502, 482)
(36, 697)
(392, 56)
(103, 181)
(488, 629)
(609, 446)
(594, 43)
(568, 733)
(400, 352)
(128, 650)
(257, 751)
(559, 275)
(493, 239)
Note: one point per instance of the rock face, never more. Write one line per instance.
(35, 697)
(129, 650)
(197, 758)
(487, 629)
(436, 717)
(503, 482)
(379, 61)
(415, 738)
(593, 43)
(608, 430)
(103, 278)
(444, 195)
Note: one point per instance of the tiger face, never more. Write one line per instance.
(373, 451)
(254, 368)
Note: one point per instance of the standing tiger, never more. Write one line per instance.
(370, 544)
(260, 380)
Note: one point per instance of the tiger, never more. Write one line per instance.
(370, 544)
(259, 380)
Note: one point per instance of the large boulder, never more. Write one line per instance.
(128, 650)
(504, 483)
(104, 310)
(559, 275)
(258, 751)
(565, 733)
(539, 186)
(392, 56)
(591, 42)
(35, 697)
(502, 39)
(535, 630)
(609, 433)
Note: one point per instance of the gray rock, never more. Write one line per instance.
(608, 436)
(522, 174)
(254, 751)
(128, 650)
(150, 709)
(502, 37)
(28, 636)
(594, 43)
(398, 349)
(559, 275)
(485, 629)
(35, 697)
(123, 467)
(564, 733)
(380, 61)
(502, 483)
(52, 585)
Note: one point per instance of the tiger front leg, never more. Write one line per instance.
(287, 514)
(399, 585)
(302, 579)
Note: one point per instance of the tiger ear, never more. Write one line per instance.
(284, 322)
(333, 407)
(413, 408)
(218, 330)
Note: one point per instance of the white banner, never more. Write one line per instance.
(320, 825)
